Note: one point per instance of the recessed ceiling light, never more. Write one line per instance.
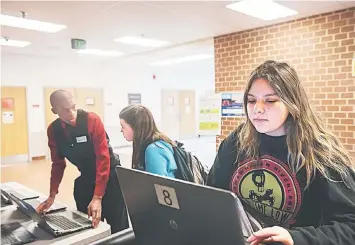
(182, 59)
(13, 43)
(36, 25)
(140, 41)
(262, 9)
(99, 52)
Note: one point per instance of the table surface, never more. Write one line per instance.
(11, 214)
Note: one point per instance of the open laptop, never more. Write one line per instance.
(15, 234)
(169, 211)
(33, 202)
(58, 224)
(54, 208)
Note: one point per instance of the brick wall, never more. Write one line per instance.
(320, 48)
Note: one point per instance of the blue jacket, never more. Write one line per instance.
(159, 159)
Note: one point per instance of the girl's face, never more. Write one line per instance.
(265, 109)
(127, 130)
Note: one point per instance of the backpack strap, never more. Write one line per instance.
(184, 171)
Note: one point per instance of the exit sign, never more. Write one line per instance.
(78, 44)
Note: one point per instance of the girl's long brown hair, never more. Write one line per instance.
(310, 144)
(145, 131)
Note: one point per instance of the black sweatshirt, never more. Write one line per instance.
(323, 213)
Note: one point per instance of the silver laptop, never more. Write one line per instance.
(21, 193)
(169, 211)
(57, 224)
(33, 202)
(54, 208)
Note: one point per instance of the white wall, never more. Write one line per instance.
(116, 79)
(198, 76)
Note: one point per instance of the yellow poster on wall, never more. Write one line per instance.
(209, 126)
(353, 67)
(210, 114)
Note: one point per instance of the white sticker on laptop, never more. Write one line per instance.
(166, 196)
(81, 139)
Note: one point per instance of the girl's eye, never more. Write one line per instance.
(251, 101)
(271, 101)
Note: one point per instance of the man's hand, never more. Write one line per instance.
(44, 206)
(271, 234)
(94, 210)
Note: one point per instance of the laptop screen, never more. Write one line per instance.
(26, 208)
(21, 193)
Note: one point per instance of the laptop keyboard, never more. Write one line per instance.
(62, 222)
(9, 239)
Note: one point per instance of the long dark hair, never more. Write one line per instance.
(310, 144)
(145, 131)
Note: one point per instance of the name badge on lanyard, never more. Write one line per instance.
(81, 139)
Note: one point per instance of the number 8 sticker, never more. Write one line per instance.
(166, 196)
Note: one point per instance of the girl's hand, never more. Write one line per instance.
(271, 234)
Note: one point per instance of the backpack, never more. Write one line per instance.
(189, 168)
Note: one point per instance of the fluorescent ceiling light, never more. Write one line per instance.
(99, 52)
(19, 22)
(13, 43)
(182, 59)
(140, 41)
(262, 9)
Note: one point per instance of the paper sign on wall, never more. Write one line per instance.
(8, 117)
(134, 99)
(353, 67)
(210, 114)
(89, 101)
(7, 103)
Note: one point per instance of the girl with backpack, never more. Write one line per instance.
(152, 150)
(290, 172)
